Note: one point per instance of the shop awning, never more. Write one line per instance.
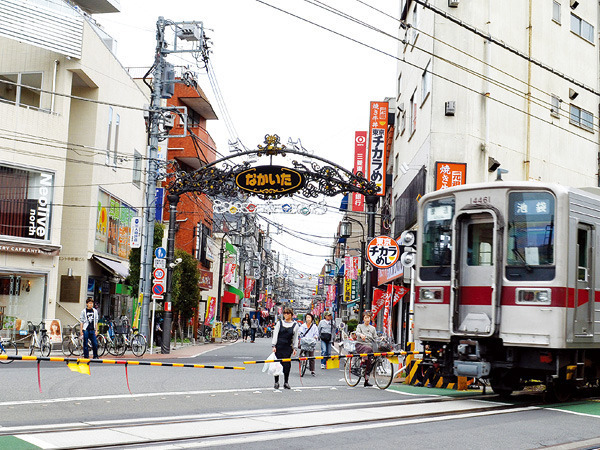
(117, 268)
(229, 297)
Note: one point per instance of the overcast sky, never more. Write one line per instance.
(279, 74)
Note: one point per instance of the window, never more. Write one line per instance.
(412, 125)
(25, 203)
(137, 168)
(555, 106)
(110, 120)
(582, 28)
(414, 31)
(530, 229)
(399, 86)
(425, 83)
(581, 118)
(480, 240)
(403, 122)
(556, 11)
(26, 91)
(437, 232)
(395, 170)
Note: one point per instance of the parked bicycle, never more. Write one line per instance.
(8, 348)
(39, 339)
(382, 370)
(72, 344)
(230, 333)
(136, 342)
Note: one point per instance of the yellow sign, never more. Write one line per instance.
(270, 180)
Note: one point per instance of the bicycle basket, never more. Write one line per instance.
(33, 328)
(350, 346)
(308, 344)
(121, 329)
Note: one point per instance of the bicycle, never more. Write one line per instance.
(355, 368)
(72, 345)
(307, 346)
(114, 340)
(8, 348)
(39, 339)
(136, 341)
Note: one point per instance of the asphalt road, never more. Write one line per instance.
(323, 411)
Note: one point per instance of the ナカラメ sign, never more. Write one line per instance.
(270, 180)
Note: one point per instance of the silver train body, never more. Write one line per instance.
(508, 284)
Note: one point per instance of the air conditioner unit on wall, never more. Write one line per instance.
(453, 3)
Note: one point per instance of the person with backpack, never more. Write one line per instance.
(326, 333)
(285, 342)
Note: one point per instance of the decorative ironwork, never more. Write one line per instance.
(271, 148)
(322, 177)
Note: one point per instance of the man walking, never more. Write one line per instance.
(326, 333)
(89, 328)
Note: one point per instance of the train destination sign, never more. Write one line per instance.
(270, 180)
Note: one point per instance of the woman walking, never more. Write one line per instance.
(285, 342)
(246, 327)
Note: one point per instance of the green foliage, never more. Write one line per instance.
(185, 292)
(133, 279)
(352, 324)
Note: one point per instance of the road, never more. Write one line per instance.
(172, 407)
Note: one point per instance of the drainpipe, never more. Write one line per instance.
(56, 63)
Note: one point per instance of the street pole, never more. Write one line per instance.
(363, 256)
(371, 201)
(219, 304)
(150, 204)
(168, 307)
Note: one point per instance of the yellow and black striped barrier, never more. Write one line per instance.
(113, 361)
(416, 375)
(349, 355)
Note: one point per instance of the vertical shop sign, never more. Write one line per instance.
(360, 156)
(378, 122)
(448, 174)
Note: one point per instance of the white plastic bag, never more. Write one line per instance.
(274, 368)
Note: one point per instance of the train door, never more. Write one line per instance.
(474, 274)
(584, 299)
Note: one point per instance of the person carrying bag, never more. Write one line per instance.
(326, 333)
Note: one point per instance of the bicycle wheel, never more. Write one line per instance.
(65, 346)
(45, 346)
(383, 371)
(352, 371)
(110, 347)
(138, 345)
(75, 347)
(120, 345)
(32, 345)
(101, 345)
(234, 336)
(207, 334)
(303, 364)
(8, 349)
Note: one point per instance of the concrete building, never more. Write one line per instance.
(72, 161)
(482, 105)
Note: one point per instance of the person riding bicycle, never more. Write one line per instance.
(308, 334)
(366, 336)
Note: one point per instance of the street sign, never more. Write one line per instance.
(383, 252)
(158, 289)
(136, 232)
(160, 263)
(159, 273)
(167, 306)
(160, 252)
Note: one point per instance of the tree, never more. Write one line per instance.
(133, 279)
(185, 292)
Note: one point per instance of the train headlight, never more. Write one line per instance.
(533, 296)
(431, 295)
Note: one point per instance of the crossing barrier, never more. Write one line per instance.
(417, 375)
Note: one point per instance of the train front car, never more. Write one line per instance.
(505, 285)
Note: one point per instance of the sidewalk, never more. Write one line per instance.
(185, 351)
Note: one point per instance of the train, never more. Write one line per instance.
(507, 285)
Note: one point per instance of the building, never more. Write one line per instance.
(72, 160)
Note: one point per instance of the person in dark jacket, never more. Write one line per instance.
(285, 342)
(246, 327)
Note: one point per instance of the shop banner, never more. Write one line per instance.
(210, 311)
(384, 296)
(399, 292)
(448, 174)
(229, 272)
(387, 322)
(248, 287)
(360, 156)
(378, 123)
(330, 295)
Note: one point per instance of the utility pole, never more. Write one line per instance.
(150, 207)
(161, 88)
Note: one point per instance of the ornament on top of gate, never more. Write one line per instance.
(271, 148)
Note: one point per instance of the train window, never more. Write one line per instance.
(437, 232)
(530, 229)
(582, 250)
(480, 240)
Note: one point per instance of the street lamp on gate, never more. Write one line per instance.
(346, 231)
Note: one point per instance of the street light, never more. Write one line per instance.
(346, 231)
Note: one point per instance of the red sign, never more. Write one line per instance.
(449, 174)
(206, 280)
(248, 286)
(158, 273)
(383, 252)
(378, 122)
(360, 156)
(167, 306)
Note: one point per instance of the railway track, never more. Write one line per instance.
(228, 428)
